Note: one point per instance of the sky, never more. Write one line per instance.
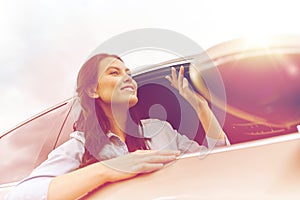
(44, 43)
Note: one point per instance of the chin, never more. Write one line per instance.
(133, 101)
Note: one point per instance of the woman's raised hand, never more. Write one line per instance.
(180, 83)
(141, 161)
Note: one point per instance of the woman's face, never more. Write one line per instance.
(115, 84)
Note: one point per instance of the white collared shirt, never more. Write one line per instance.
(68, 157)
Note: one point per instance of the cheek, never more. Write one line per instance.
(106, 89)
(105, 95)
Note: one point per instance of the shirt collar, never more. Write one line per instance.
(111, 134)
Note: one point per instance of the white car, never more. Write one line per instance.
(253, 91)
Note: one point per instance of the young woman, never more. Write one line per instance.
(109, 145)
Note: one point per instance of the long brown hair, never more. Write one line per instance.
(92, 119)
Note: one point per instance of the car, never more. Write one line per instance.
(254, 91)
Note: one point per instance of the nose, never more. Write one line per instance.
(127, 78)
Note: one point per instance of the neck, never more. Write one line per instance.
(117, 118)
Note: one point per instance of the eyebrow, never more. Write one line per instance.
(115, 67)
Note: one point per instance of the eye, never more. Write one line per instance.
(114, 72)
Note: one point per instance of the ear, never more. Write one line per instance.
(91, 92)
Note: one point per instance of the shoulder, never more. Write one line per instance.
(79, 136)
(76, 138)
(150, 121)
(153, 127)
(73, 147)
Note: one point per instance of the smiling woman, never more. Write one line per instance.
(109, 145)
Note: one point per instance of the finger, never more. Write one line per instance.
(167, 152)
(151, 167)
(180, 79)
(160, 159)
(185, 83)
(169, 79)
(174, 74)
(159, 152)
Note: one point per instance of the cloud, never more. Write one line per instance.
(44, 43)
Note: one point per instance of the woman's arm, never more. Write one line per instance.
(78, 183)
(208, 120)
(59, 177)
(62, 160)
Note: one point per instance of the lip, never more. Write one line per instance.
(130, 88)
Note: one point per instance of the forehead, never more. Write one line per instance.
(110, 62)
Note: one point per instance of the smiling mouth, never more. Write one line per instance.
(128, 88)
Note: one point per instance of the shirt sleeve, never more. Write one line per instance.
(187, 145)
(184, 144)
(163, 136)
(62, 160)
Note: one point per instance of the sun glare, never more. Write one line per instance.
(257, 41)
(293, 70)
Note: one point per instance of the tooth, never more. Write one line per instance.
(128, 89)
